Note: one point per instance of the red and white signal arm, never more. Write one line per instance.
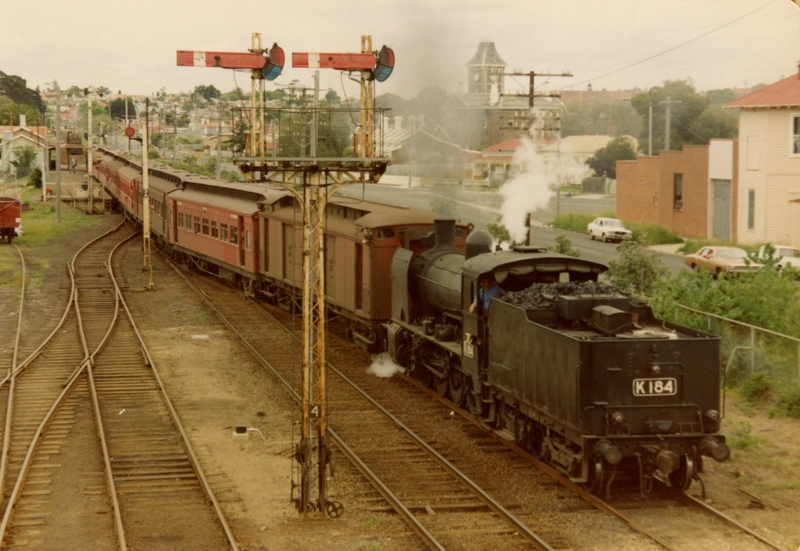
(130, 132)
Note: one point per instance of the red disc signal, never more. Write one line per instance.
(385, 64)
(274, 64)
(130, 132)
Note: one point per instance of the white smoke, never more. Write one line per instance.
(535, 184)
(383, 366)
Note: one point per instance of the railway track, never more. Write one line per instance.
(448, 513)
(93, 454)
(440, 502)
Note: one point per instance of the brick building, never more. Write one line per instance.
(692, 192)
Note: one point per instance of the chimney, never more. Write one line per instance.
(22, 120)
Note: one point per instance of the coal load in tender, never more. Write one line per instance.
(545, 295)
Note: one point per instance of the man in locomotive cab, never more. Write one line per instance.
(487, 290)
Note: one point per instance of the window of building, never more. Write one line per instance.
(234, 235)
(677, 191)
(214, 231)
(751, 209)
(205, 226)
(223, 232)
(796, 135)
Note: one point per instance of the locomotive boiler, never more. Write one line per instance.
(579, 373)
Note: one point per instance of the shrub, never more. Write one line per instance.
(637, 270)
(564, 246)
(787, 403)
(35, 178)
(755, 388)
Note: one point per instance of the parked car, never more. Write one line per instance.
(608, 229)
(784, 254)
(719, 260)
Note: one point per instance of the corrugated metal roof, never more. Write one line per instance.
(784, 93)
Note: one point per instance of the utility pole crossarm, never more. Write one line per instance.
(531, 76)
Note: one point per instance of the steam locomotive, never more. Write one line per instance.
(580, 374)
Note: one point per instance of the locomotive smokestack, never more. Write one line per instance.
(444, 233)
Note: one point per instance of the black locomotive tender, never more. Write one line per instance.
(577, 372)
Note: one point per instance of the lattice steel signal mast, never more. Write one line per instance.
(310, 179)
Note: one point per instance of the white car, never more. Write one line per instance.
(784, 254)
(608, 229)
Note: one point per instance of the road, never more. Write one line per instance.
(483, 207)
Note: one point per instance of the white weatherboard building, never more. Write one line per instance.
(768, 207)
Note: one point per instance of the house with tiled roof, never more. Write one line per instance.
(769, 163)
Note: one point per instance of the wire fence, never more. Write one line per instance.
(747, 349)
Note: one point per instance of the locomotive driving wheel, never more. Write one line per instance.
(596, 477)
(441, 384)
(458, 387)
(681, 478)
(473, 398)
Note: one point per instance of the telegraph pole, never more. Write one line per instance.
(147, 261)
(58, 158)
(310, 184)
(90, 200)
(669, 102)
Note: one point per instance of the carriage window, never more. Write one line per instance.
(214, 232)
(247, 240)
(234, 235)
(385, 233)
(180, 219)
(223, 232)
(205, 226)
(196, 224)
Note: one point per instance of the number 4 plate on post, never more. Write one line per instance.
(655, 387)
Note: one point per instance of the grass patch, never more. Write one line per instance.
(694, 245)
(577, 222)
(654, 235)
(40, 223)
(739, 436)
(787, 403)
(372, 523)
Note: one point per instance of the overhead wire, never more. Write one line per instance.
(673, 48)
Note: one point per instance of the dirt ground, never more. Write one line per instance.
(215, 387)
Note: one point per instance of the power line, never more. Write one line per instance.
(675, 47)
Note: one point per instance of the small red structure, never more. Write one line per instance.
(10, 218)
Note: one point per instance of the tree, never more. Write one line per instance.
(24, 158)
(183, 120)
(206, 92)
(332, 98)
(682, 116)
(16, 89)
(612, 119)
(10, 112)
(716, 122)
(117, 109)
(604, 161)
(637, 270)
(238, 136)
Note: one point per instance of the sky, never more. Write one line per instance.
(611, 44)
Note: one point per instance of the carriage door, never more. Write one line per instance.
(241, 240)
(174, 220)
(359, 276)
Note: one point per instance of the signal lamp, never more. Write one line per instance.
(385, 64)
(274, 64)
